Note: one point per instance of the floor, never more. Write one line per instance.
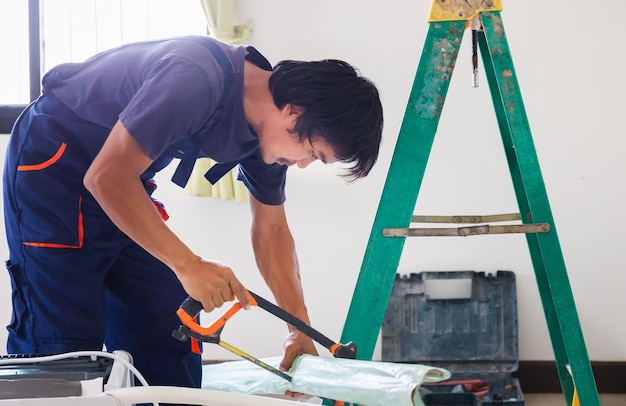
(537, 399)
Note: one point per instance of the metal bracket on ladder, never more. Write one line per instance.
(448, 21)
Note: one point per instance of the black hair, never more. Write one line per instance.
(338, 105)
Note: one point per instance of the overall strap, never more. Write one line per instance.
(188, 160)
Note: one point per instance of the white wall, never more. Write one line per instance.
(570, 62)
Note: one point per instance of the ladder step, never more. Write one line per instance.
(466, 231)
(474, 219)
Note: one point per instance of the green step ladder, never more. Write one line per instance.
(447, 23)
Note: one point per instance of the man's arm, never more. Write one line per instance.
(276, 258)
(114, 180)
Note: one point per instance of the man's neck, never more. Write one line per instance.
(257, 98)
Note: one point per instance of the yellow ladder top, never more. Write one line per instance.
(456, 10)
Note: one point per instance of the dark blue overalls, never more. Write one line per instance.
(77, 280)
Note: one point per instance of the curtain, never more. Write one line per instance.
(220, 20)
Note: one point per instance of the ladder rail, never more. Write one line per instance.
(546, 255)
(399, 195)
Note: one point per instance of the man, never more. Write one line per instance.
(91, 261)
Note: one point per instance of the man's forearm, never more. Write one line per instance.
(278, 263)
(276, 258)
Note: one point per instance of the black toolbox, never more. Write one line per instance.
(463, 321)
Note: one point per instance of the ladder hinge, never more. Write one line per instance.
(456, 10)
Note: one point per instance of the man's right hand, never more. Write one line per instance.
(212, 283)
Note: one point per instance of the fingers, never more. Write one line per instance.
(217, 298)
(227, 294)
(293, 394)
(292, 350)
(214, 284)
(208, 306)
(296, 344)
(287, 361)
(214, 294)
(239, 291)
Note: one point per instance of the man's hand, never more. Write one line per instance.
(212, 283)
(296, 343)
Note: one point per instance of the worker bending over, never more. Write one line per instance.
(92, 261)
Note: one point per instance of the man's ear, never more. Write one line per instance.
(293, 109)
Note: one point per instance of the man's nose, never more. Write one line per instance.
(303, 163)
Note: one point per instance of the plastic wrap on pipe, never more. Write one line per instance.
(366, 383)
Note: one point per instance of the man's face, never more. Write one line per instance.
(279, 145)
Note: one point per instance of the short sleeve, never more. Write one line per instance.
(265, 182)
(175, 99)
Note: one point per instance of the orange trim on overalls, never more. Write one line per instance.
(44, 165)
(81, 234)
(195, 346)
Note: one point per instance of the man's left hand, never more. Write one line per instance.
(296, 343)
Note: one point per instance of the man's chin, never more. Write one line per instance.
(281, 161)
(268, 160)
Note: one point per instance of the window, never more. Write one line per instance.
(40, 34)
(14, 87)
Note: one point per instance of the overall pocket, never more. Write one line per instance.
(48, 188)
(19, 293)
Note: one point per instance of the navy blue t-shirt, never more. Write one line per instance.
(173, 97)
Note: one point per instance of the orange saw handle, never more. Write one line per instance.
(190, 308)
